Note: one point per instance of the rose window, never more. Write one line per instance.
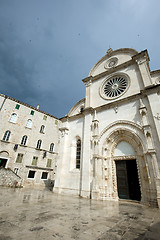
(115, 86)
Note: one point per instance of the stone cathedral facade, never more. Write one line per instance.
(108, 146)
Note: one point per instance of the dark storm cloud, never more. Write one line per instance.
(48, 47)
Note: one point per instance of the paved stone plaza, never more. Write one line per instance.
(28, 214)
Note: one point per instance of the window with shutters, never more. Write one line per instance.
(13, 118)
(19, 158)
(49, 163)
(44, 117)
(17, 106)
(34, 161)
(32, 112)
(29, 123)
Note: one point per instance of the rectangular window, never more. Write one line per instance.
(31, 174)
(34, 161)
(16, 170)
(32, 112)
(56, 122)
(44, 117)
(19, 158)
(44, 175)
(17, 106)
(49, 163)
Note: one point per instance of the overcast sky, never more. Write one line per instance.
(48, 46)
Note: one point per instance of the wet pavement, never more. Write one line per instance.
(29, 214)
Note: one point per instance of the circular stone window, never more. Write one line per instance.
(112, 62)
(114, 87)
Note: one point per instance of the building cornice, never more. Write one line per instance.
(156, 72)
(137, 96)
(27, 105)
(40, 168)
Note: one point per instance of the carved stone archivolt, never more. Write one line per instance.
(121, 123)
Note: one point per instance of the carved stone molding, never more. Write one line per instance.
(121, 122)
(126, 157)
(116, 109)
(157, 116)
(88, 83)
(64, 131)
(111, 62)
(142, 60)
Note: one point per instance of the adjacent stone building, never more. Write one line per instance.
(29, 141)
(108, 146)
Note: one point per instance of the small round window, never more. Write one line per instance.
(114, 87)
(112, 62)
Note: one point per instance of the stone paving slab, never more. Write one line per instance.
(36, 214)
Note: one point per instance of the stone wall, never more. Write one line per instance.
(9, 179)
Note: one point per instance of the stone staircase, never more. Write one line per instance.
(9, 179)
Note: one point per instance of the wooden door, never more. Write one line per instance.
(122, 179)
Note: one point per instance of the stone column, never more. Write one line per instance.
(95, 151)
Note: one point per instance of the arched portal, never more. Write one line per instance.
(123, 146)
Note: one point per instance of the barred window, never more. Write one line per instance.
(39, 144)
(24, 140)
(78, 153)
(51, 147)
(6, 136)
